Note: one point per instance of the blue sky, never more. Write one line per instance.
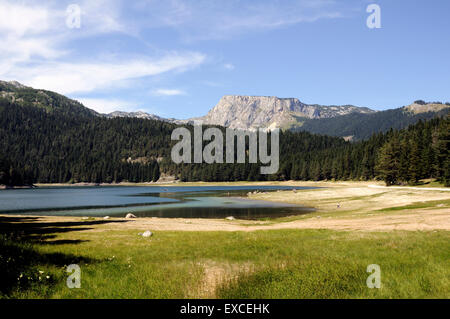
(177, 58)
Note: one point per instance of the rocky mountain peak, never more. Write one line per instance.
(12, 85)
(252, 112)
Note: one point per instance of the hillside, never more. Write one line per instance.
(359, 126)
(54, 147)
(47, 138)
(49, 101)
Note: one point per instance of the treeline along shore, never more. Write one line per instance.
(55, 146)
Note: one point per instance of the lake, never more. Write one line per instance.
(147, 201)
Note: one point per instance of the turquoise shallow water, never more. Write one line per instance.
(148, 201)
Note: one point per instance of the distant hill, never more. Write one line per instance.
(50, 101)
(347, 121)
(142, 115)
(360, 126)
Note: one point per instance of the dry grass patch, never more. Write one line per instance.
(216, 274)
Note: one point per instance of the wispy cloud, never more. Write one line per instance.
(216, 19)
(23, 30)
(36, 48)
(113, 49)
(228, 66)
(31, 30)
(37, 45)
(67, 78)
(168, 92)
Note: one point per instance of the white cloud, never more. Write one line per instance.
(228, 66)
(18, 19)
(168, 92)
(36, 48)
(23, 30)
(67, 78)
(36, 32)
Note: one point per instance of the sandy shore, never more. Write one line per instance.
(243, 183)
(340, 206)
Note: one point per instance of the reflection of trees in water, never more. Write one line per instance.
(222, 212)
(194, 202)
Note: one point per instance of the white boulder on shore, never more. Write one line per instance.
(130, 215)
(147, 233)
(230, 218)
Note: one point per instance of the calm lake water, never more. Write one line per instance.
(147, 201)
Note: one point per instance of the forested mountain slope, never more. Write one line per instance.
(49, 101)
(58, 147)
(361, 126)
(42, 146)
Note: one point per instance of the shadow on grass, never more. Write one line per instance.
(20, 257)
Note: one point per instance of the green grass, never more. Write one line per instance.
(266, 264)
(432, 183)
(435, 204)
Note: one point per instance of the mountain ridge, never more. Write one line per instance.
(50, 101)
(253, 112)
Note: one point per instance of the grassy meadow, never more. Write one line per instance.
(259, 264)
(324, 254)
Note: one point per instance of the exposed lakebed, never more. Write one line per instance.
(148, 201)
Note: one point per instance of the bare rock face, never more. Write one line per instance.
(14, 84)
(252, 112)
(417, 108)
